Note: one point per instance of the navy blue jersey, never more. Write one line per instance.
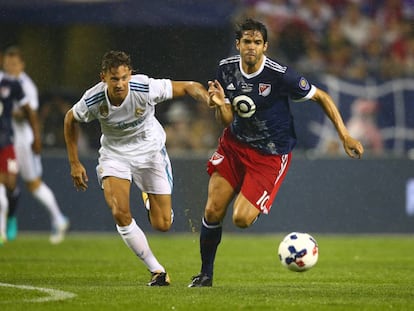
(260, 102)
(10, 92)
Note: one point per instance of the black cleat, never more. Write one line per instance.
(201, 280)
(159, 279)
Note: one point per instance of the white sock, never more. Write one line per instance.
(45, 196)
(4, 207)
(135, 238)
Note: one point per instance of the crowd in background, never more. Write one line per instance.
(349, 39)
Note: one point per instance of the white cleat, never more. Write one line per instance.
(59, 231)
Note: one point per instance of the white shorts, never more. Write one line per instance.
(30, 164)
(154, 176)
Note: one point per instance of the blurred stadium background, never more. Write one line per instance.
(360, 51)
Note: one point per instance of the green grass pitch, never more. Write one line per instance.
(354, 272)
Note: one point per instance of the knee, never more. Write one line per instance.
(33, 185)
(161, 221)
(241, 222)
(213, 213)
(243, 218)
(122, 217)
(163, 225)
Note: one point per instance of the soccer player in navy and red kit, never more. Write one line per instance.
(251, 97)
(11, 92)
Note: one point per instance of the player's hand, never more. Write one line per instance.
(79, 177)
(216, 94)
(37, 146)
(353, 147)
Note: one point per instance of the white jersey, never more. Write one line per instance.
(130, 130)
(23, 134)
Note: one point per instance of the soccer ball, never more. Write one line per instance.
(298, 251)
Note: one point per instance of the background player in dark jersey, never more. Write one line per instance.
(251, 96)
(11, 93)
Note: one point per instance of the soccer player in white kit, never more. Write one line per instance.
(132, 148)
(30, 166)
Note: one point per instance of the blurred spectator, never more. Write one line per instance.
(389, 12)
(338, 50)
(178, 128)
(355, 26)
(373, 53)
(190, 130)
(317, 15)
(51, 114)
(409, 57)
(275, 13)
(362, 125)
(313, 61)
(408, 9)
(206, 129)
(354, 39)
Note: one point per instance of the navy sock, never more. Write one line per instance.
(13, 197)
(210, 237)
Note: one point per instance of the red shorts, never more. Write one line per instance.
(258, 176)
(8, 162)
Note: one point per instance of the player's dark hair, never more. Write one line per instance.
(251, 24)
(13, 51)
(114, 59)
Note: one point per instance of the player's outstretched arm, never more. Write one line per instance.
(352, 147)
(195, 89)
(77, 170)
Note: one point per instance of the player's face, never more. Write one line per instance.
(252, 47)
(117, 80)
(13, 65)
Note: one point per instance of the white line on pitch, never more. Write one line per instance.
(54, 294)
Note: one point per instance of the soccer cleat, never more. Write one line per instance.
(11, 228)
(59, 231)
(201, 280)
(145, 198)
(159, 279)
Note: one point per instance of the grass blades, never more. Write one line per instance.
(354, 272)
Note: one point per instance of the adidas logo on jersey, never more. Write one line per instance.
(230, 87)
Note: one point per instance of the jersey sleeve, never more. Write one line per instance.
(19, 95)
(31, 92)
(219, 78)
(299, 88)
(81, 111)
(160, 90)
